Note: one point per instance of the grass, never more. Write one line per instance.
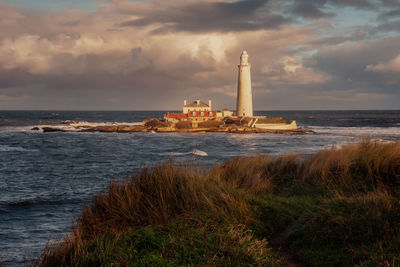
(177, 245)
(340, 207)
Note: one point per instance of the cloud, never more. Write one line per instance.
(311, 9)
(292, 71)
(394, 13)
(204, 16)
(347, 65)
(393, 26)
(170, 50)
(390, 66)
(315, 9)
(391, 3)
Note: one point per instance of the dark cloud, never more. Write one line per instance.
(122, 85)
(395, 13)
(335, 40)
(347, 65)
(391, 26)
(209, 17)
(352, 3)
(391, 3)
(310, 9)
(315, 9)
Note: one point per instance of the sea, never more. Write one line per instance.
(46, 178)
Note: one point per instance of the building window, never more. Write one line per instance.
(194, 113)
(210, 113)
(202, 113)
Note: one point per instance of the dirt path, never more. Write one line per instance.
(279, 244)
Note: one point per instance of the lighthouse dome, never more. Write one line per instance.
(244, 58)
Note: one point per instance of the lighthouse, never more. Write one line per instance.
(244, 106)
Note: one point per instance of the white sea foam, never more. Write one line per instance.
(357, 131)
(16, 129)
(195, 152)
(5, 148)
(198, 152)
(94, 124)
(75, 126)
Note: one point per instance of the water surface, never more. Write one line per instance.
(46, 178)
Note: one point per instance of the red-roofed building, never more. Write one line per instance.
(195, 115)
(194, 111)
(176, 117)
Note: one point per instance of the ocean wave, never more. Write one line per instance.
(68, 126)
(356, 131)
(76, 126)
(198, 152)
(195, 152)
(5, 148)
(94, 124)
(16, 129)
(2, 210)
(22, 203)
(40, 201)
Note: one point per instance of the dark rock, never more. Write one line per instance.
(51, 129)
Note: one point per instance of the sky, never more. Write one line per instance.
(153, 54)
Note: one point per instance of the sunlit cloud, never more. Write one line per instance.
(124, 54)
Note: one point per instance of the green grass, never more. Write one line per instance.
(178, 245)
(362, 229)
(340, 207)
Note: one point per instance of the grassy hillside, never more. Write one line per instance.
(337, 208)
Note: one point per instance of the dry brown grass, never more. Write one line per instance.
(166, 192)
(245, 238)
(156, 195)
(366, 165)
(258, 174)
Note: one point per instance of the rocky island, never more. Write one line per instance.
(226, 125)
(198, 117)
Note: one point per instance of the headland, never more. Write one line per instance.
(337, 208)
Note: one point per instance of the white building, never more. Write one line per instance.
(196, 106)
(244, 107)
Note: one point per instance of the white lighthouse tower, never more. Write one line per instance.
(244, 105)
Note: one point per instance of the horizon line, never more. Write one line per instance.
(169, 110)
